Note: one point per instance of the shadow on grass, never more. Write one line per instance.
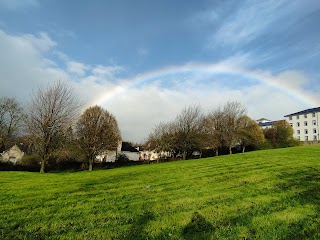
(198, 228)
(138, 224)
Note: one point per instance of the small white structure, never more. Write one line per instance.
(14, 155)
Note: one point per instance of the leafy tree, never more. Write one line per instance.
(50, 113)
(97, 130)
(11, 119)
(280, 135)
(249, 132)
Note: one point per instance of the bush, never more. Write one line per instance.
(122, 159)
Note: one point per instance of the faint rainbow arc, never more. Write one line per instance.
(218, 68)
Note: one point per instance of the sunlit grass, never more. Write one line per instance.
(273, 194)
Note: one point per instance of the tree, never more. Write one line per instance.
(233, 111)
(280, 135)
(51, 112)
(188, 130)
(213, 129)
(97, 130)
(11, 116)
(249, 132)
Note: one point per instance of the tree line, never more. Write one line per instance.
(221, 128)
(51, 126)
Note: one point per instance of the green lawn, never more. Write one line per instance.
(272, 194)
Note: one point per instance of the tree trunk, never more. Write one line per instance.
(243, 149)
(90, 165)
(230, 150)
(43, 162)
(217, 152)
(184, 155)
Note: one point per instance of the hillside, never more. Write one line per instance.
(272, 194)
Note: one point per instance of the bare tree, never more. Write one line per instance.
(213, 129)
(233, 111)
(188, 129)
(50, 113)
(97, 131)
(11, 116)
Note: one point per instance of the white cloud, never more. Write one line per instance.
(248, 22)
(77, 68)
(139, 106)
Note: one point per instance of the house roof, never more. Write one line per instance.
(127, 147)
(310, 110)
(268, 124)
(263, 119)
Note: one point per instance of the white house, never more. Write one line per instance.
(305, 124)
(122, 148)
(14, 155)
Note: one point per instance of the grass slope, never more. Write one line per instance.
(273, 194)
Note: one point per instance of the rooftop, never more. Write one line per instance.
(310, 110)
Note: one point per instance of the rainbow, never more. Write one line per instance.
(214, 69)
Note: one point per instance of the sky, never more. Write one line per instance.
(144, 61)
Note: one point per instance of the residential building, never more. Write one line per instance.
(13, 155)
(305, 124)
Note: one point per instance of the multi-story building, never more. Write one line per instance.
(305, 124)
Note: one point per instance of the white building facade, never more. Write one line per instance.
(305, 124)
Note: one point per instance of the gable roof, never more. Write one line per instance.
(310, 110)
(127, 147)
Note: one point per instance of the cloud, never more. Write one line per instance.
(77, 68)
(26, 62)
(18, 4)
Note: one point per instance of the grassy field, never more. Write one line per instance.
(272, 194)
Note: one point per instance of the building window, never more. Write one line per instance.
(297, 116)
(314, 122)
(298, 131)
(298, 137)
(306, 131)
(306, 138)
(298, 124)
(314, 130)
(291, 124)
(305, 123)
(314, 137)
(290, 117)
(305, 115)
(313, 114)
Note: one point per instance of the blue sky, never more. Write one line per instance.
(145, 60)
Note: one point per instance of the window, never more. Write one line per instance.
(291, 124)
(314, 122)
(314, 130)
(314, 137)
(297, 116)
(298, 131)
(298, 124)
(298, 137)
(306, 138)
(305, 115)
(313, 114)
(290, 117)
(306, 131)
(305, 123)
